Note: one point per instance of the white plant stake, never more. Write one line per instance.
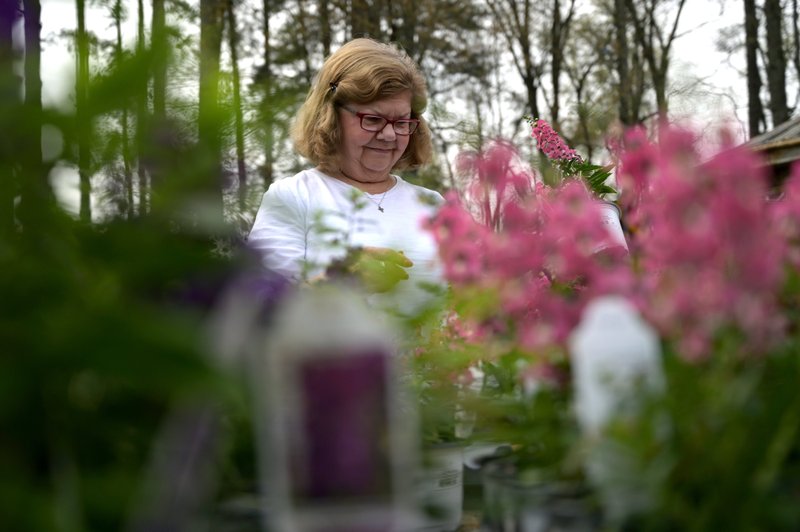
(614, 354)
(616, 364)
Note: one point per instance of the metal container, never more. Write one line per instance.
(611, 216)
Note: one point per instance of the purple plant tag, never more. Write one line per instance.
(344, 452)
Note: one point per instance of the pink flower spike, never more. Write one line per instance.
(551, 144)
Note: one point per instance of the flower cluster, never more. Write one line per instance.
(713, 266)
(710, 259)
(566, 162)
(529, 260)
(551, 143)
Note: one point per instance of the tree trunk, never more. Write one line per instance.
(623, 75)
(638, 84)
(35, 188)
(209, 132)
(33, 86)
(125, 138)
(559, 33)
(359, 18)
(160, 50)
(233, 43)
(532, 70)
(579, 82)
(658, 62)
(265, 75)
(305, 41)
(755, 109)
(776, 62)
(655, 46)
(9, 91)
(325, 27)
(141, 119)
(514, 23)
(403, 17)
(531, 82)
(82, 119)
(796, 41)
(476, 102)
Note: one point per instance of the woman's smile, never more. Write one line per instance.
(380, 150)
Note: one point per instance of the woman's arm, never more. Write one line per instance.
(279, 232)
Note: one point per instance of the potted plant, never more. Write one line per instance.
(712, 267)
(518, 289)
(442, 378)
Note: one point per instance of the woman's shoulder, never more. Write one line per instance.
(303, 180)
(425, 195)
(299, 187)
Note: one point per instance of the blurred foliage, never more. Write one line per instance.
(104, 331)
(729, 457)
(105, 324)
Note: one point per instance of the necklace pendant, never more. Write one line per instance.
(380, 208)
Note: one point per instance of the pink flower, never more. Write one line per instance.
(534, 256)
(709, 259)
(710, 251)
(497, 180)
(551, 144)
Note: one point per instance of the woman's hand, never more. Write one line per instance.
(378, 269)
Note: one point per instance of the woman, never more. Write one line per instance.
(361, 121)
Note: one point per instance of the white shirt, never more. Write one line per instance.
(309, 219)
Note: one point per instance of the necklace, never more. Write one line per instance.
(378, 203)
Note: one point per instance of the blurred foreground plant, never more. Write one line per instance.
(105, 335)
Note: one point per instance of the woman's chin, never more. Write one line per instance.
(378, 168)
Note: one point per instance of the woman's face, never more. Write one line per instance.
(370, 155)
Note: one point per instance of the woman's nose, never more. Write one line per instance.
(387, 132)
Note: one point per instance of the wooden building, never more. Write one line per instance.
(780, 147)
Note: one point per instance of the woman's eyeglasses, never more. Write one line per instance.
(374, 123)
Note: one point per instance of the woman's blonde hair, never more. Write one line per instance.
(362, 71)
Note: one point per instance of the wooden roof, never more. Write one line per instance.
(781, 144)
